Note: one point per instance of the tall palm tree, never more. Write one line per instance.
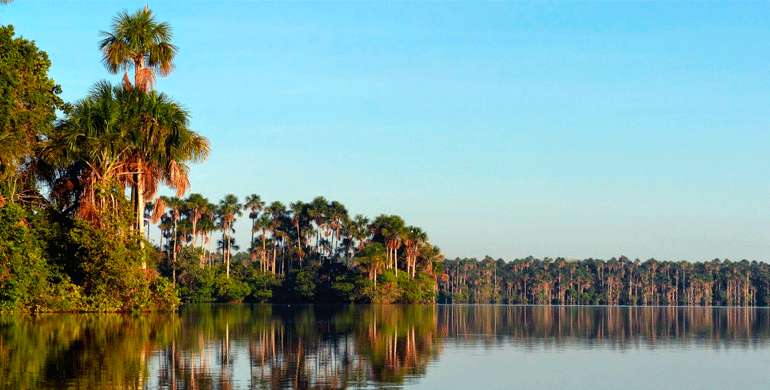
(298, 217)
(255, 204)
(338, 214)
(276, 210)
(195, 207)
(138, 41)
(229, 208)
(175, 206)
(413, 237)
(161, 140)
(160, 144)
(317, 212)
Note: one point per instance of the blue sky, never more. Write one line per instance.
(504, 129)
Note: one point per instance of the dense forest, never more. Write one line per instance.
(618, 281)
(306, 252)
(79, 185)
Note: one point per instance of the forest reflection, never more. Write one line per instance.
(615, 326)
(299, 347)
(319, 347)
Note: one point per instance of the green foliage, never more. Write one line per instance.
(230, 289)
(261, 285)
(300, 285)
(24, 271)
(107, 266)
(196, 283)
(28, 101)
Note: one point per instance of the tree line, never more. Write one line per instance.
(306, 251)
(618, 281)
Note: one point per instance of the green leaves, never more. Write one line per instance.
(28, 101)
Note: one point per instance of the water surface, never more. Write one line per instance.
(372, 347)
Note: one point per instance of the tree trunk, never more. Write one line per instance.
(176, 237)
(227, 253)
(139, 205)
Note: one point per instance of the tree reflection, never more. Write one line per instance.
(320, 347)
(618, 326)
(305, 347)
(85, 351)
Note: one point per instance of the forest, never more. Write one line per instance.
(303, 253)
(618, 281)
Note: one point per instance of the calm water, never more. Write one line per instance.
(372, 347)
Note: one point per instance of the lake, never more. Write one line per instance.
(379, 347)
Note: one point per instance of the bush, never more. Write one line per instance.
(261, 286)
(230, 289)
(23, 269)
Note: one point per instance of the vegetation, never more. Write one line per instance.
(614, 282)
(308, 252)
(70, 240)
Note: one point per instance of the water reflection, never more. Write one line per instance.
(300, 347)
(314, 347)
(83, 351)
(616, 326)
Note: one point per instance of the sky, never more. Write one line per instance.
(508, 129)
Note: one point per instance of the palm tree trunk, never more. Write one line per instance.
(176, 237)
(139, 205)
(228, 251)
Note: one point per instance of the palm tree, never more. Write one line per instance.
(298, 217)
(276, 210)
(361, 230)
(338, 214)
(148, 209)
(89, 146)
(263, 225)
(372, 259)
(388, 230)
(139, 41)
(206, 226)
(229, 208)
(160, 144)
(116, 138)
(175, 205)
(255, 203)
(195, 207)
(317, 212)
(413, 237)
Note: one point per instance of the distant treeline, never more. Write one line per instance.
(618, 281)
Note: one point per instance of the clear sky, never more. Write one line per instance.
(504, 129)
